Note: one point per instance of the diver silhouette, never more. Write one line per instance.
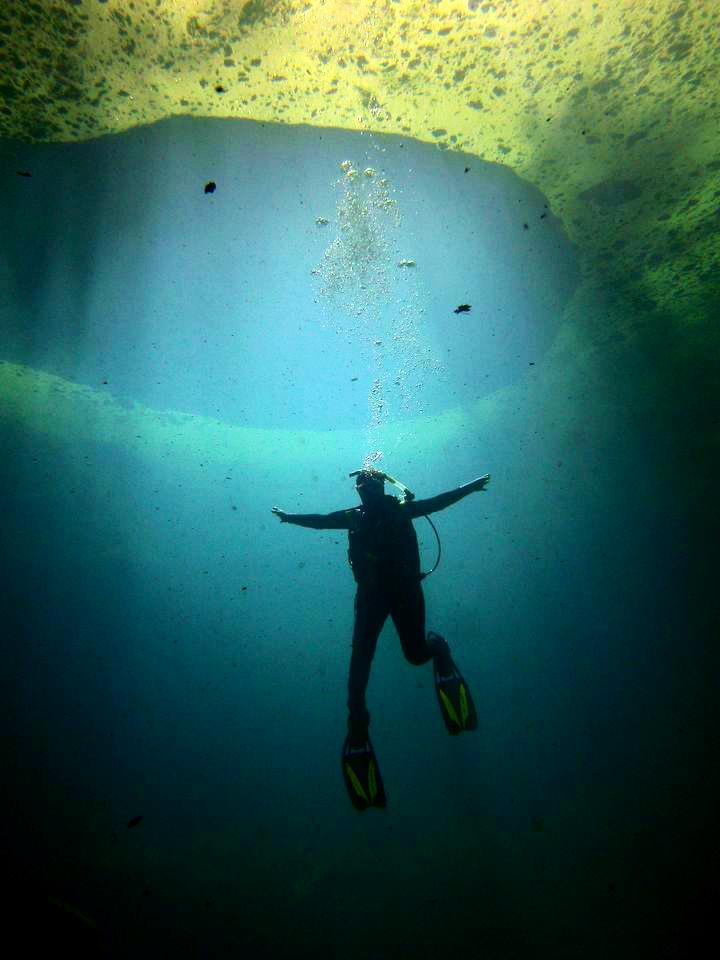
(385, 560)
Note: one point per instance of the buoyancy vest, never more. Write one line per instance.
(383, 548)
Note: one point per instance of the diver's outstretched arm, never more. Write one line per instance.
(421, 508)
(339, 520)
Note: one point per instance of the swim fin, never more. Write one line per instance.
(362, 774)
(456, 703)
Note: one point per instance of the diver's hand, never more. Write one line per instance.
(480, 483)
(282, 516)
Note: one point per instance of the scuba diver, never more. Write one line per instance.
(385, 560)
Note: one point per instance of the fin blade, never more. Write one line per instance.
(449, 707)
(357, 786)
(362, 776)
(372, 781)
(464, 709)
(455, 700)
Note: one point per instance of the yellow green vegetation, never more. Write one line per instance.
(611, 108)
(42, 403)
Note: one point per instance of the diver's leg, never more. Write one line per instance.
(408, 613)
(456, 703)
(371, 611)
(440, 651)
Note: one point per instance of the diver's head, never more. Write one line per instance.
(370, 485)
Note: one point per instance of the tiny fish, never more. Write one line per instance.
(134, 822)
(210, 187)
(463, 308)
(321, 221)
(23, 173)
(406, 263)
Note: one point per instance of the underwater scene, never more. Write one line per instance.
(358, 441)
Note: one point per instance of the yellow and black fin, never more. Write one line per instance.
(362, 775)
(456, 702)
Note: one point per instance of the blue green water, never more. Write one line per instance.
(172, 653)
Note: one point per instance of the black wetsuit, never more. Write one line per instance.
(385, 560)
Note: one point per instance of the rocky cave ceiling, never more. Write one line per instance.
(610, 108)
